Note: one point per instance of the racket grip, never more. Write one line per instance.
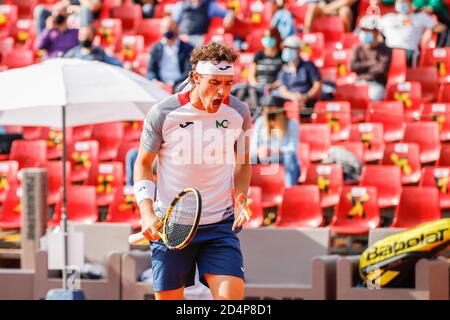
(136, 238)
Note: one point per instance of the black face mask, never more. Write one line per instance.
(60, 19)
(87, 43)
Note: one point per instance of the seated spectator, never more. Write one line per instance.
(169, 59)
(193, 18)
(57, 38)
(371, 59)
(148, 7)
(341, 8)
(263, 72)
(275, 139)
(82, 13)
(85, 50)
(283, 20)
(300, 81)
(405, 29)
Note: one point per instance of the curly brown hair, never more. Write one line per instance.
(214, 52)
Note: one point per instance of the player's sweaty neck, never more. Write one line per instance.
(194, 99)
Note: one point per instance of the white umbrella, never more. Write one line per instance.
(71, 92)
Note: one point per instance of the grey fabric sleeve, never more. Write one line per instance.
(243, 110)
(152, 132)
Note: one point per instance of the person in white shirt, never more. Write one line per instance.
(405, 29)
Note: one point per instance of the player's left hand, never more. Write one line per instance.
(240, 212)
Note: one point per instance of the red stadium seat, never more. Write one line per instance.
(29, 153)
(409, 94)
(372, 137)
(130, 15)
(332, 28)
(130, 48)
(300, 208)
(245, 60)
(55, 180)
(318, 136)
(254, 40)
(292, 110)
(444, 157)
(107, 179)
(8, 17)
(6, 45)
(105, 12)
(329, 179)
(387, 180)
(32, 132)
(10, 216)
(298, 11)
(428, 79)
(82, 133)
(8, 178)
(81, 207)
(124, 208)
(426, 135)
(355, 147)
(270, 178)
(349, 40)
(417, 205)
(444, 93)
(407, 157)
(340, 60)
(303, 157)
(83, 157)
(54, 141)
(254, 203)
(109, 135)
(391, 115)
(132, 130)
(150, 29)
(313, 48)
(24, 33)
(358, 96)
(397, 69)
(357, 211)
(437, 177)
(141, 64)
(336, 114)
(123, 150)
(25, 7)
(109, 33)
(438, 58)
(17, 58)
(439, 113)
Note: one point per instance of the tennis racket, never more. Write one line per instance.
(181, 221)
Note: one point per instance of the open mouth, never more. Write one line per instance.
(216, 103)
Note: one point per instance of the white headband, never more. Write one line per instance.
(223, 68)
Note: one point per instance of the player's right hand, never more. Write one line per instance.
(150, 224)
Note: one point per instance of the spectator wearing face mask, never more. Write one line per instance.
(300, 81)
(275, 139)
(406, 28)
(169, 59)
(370, 59)
(283, 20)
(263, 71)
(194, 16)
(57, 38)
(85, 50)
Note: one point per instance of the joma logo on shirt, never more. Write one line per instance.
(222, 124)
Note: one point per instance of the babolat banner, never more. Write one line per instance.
(391, 261)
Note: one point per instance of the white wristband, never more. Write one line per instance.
(144, 189)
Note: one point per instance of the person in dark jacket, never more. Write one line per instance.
(169, 59)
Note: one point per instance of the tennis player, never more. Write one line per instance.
(190, 133)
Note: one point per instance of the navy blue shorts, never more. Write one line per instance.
(215, 249)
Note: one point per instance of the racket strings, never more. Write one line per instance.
(181, 220)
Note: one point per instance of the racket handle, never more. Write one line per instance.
(136, 238)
